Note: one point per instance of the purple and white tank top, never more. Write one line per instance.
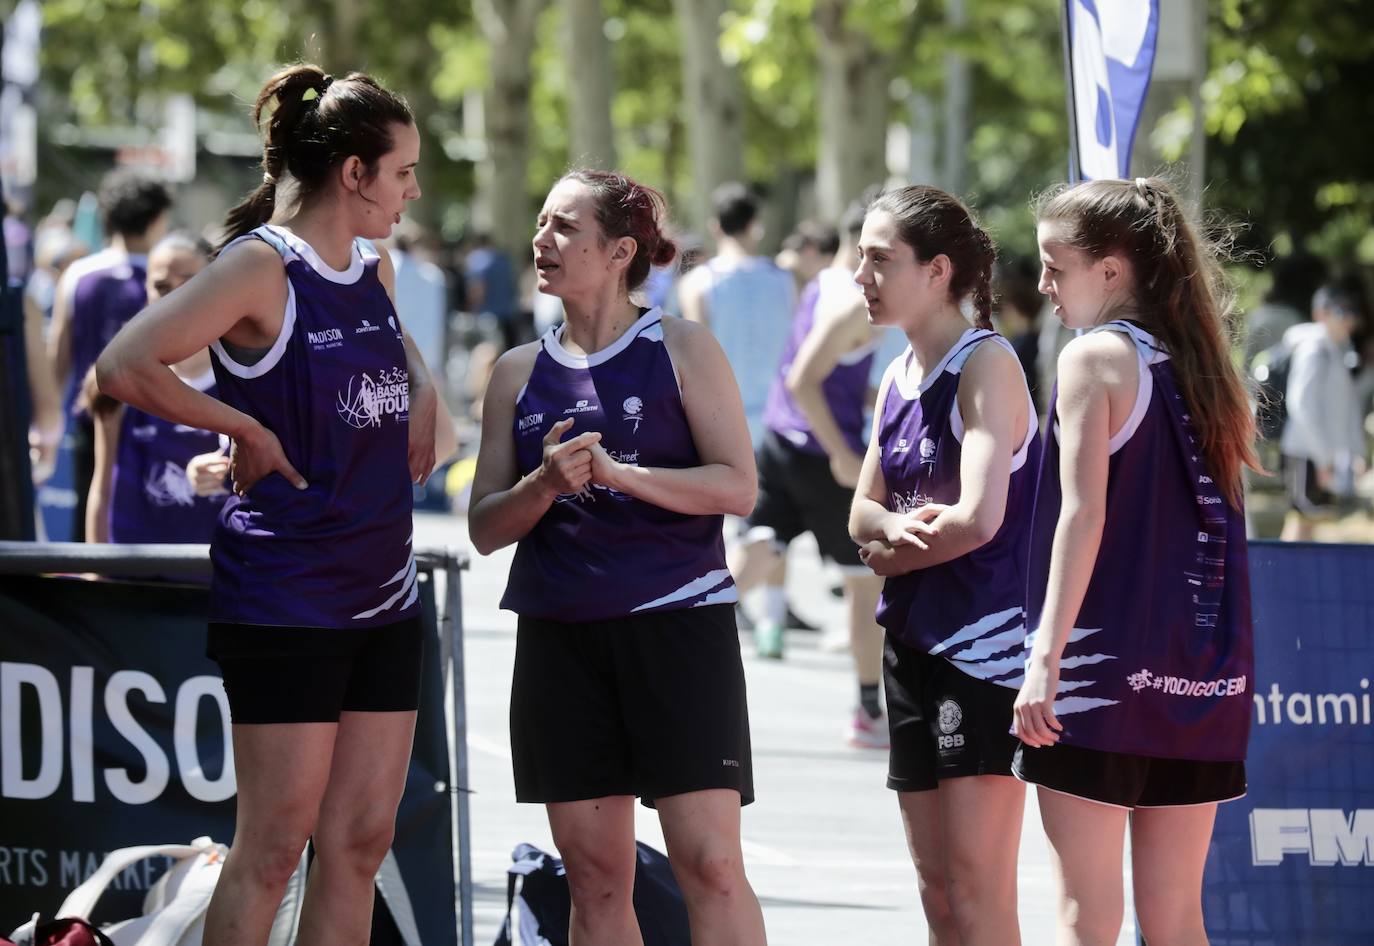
(104, 291)
(845, 388)
(334, 389)
(151, 500)
(602, 554)
(1160, 661)
(969, 610)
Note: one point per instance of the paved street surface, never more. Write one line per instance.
(823, 843)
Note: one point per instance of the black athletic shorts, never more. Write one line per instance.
(1305, 494)
(649, 705)
(798, 493)
(312, 674)
(943, 723)
(1128, 781)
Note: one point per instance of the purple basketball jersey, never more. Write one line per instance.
(1160, 659)
(601, 554)
(151, 499)
(969, 610)
(105, 290)
(334, 389)
(845, 388)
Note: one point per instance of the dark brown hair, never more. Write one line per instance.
(626, 208)
(311, 123)
(1184, 300)
(933, 222)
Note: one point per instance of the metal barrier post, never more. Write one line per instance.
(458, 734)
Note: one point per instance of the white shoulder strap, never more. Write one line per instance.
(81, 901)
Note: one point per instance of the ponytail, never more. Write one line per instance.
(310, 123)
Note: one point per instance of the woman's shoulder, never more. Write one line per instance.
(680, 333)
(513, 369)
(250, 257)
(1094, 351)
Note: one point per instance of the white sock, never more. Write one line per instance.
(774, 604)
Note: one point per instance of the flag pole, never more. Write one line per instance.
(1066, 41)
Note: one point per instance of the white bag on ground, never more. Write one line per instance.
(174, 907)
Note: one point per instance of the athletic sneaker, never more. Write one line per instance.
(768, 639)
(865, 732)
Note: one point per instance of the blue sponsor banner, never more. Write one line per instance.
(114, 731)
(1110, 53)
(1293, 861)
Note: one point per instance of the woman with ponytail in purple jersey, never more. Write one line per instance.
(941, 510)
(1139, 669)
(313, 604)
(611, 449)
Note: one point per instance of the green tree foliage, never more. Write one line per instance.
(1286, 103)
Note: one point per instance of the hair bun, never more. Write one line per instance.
(665, 251)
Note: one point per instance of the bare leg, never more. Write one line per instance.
(865, 635)
(702, 830)
(1168, 853)
(282, 770)
(755, 562)
(1297, 528)
(925, 840)
(596, 839)
(357, 823)
(1087, 842)
(982, 819)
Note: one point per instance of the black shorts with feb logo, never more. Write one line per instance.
(944, 724)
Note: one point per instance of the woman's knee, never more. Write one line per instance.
(1093, 920)
(933, 886)
(598, 879)
(362, 841)
(716, 873)
(267, 861)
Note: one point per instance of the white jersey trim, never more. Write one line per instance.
(269, 360)
(904, 382)
(312, 259)
(1148, 352)
(956, 419)
(201, 382)
(697, 586)
(108, 259)
(554, 346)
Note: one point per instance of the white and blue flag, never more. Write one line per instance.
(1110, 51)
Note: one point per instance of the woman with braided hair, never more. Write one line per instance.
(611, 449)
(942, 511)
(313, 604)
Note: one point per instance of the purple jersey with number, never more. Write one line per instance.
(969, 610)
(151, 500)
(599, 553)
(104, 291)
(334, 389)
(845, 388)
(1160, 661)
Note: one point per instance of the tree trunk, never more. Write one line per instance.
(853, 111)
(958, 92)
(714, 104)
(587, 56)
(503, 206)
